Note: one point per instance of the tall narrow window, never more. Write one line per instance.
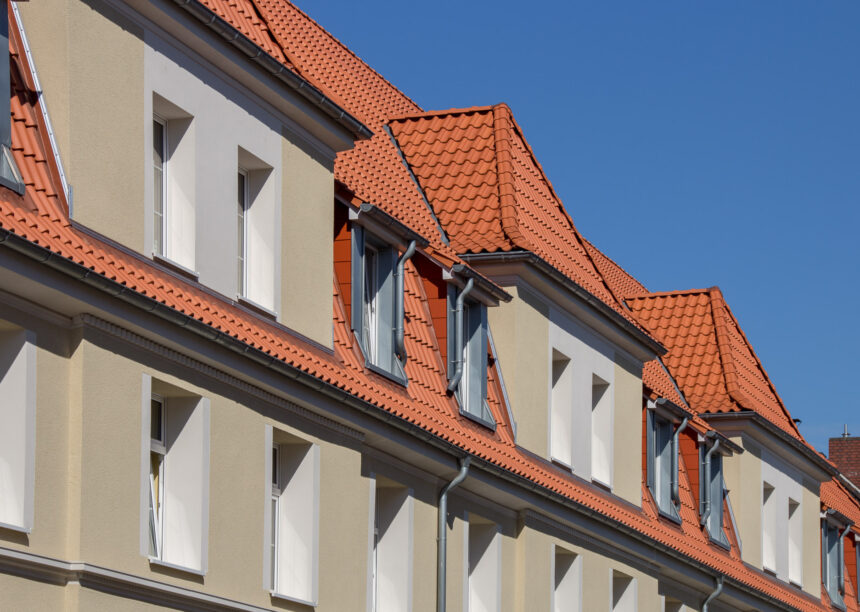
(374, 301)
(273, 519)
(391, 579)
(157, 451)
(242, 226)
(660, 476)
(768, 527)
(831, 561)
(601, 431)
(623, 593)
(159, 190)
(175, 477)
(471, 390)
(371, 302)
(713, 482)
(567, 581)
(795, 542)
(485, 557)
(561, 409)
(295, 521)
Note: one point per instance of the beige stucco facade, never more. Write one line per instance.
(98, 362)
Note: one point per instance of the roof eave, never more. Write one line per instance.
(745, 417)
(639, 336)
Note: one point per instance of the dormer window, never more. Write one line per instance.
(377, 289)
(834, 526)
(664, 422)
(467, 353)
(712, 487)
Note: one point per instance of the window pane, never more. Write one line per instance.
(370, 302)
(158, 186)
(241, 209)
(156, 420)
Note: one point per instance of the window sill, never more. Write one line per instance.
(478, 420)
(602, 485)
(15, 528)
(175, 267)
(281, 597)
(721, 543)
(669, 516)
(389, 375)
(180, 568)
(257, 308)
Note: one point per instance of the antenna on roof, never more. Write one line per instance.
(845, 433)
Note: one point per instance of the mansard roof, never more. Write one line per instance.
(709, 355)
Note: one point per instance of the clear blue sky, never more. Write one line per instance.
(696, 143)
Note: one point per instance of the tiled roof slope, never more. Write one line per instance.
(39, 216)
(708, 354)
(372, 169)
(242, 15)
(490, 193)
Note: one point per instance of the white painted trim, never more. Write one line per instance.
(30, 352)
(315, 449)
(203, 404)
(58, 571)
(55, 151)
(371, 529)
(181, 568)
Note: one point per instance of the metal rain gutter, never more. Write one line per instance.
(274, 67)
(442, 536)
(399, 344)
(713, 595)
(573, 287)
(675, 496)
(707, 513)
(458, 335)
(82, 273)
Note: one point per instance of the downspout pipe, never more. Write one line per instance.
(458, 336)
(713, 595)
(841, 549)
(707, 513)
(675, 497)
(399, 343)
(442, 537)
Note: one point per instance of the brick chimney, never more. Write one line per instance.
(845, 453)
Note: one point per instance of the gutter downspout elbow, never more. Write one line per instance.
(707, 513)
(442, 535)
(713, 595)
(399, 343)
(458, 335)
(675, 497)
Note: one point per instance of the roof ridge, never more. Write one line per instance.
(442, 112)
(730, 375)
(674, 293)
(728, 312)
(347, 49)
(610, 259)
(505, 174)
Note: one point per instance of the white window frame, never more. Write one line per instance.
(165, 158)
(629, 600)
(370, 303)
(186, 467)
(280, 499)
(483, 580)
